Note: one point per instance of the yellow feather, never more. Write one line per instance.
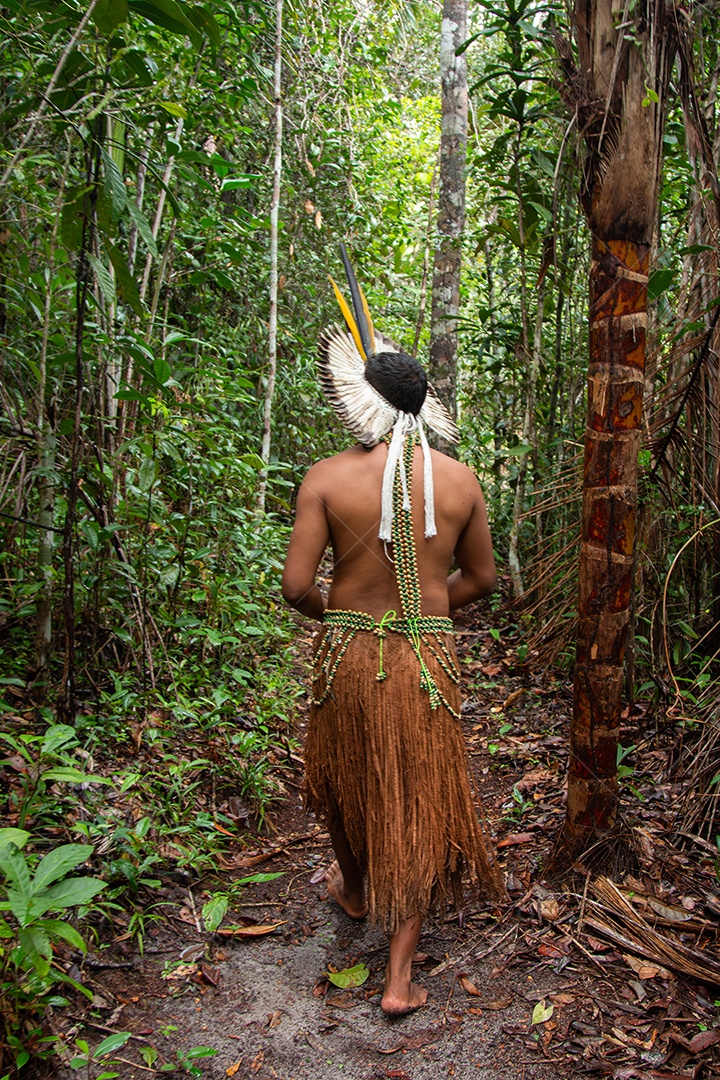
(366, 309)
(348, 317)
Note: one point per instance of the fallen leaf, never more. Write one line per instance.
(546, 948)
(542, 1012)
(562, 999)
(274, 1018)
(233, 1068)
(643, 969)
(703, 1040)
(309, 207)
(512, 698)
(350, 977)
(676, 914)
(496, 1006)
(250, 931)
(318, 876)
(515, 838)
(312, 1041)
(210, 974)
(550, 909)
(257, 1061)
(469, 987)
(182, 971)
(193, 952)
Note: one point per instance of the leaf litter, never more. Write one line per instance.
(609, 975)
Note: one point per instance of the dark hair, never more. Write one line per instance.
(398, 378)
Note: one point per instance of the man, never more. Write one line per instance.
(385, 761)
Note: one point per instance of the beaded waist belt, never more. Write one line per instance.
(423, 632)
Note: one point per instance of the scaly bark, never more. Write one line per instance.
(620, 96)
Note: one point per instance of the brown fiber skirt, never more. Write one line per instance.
(394, 773)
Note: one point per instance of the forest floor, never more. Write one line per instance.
(587, 976)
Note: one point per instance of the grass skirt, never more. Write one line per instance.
(394, 772)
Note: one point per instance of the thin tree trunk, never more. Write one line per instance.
(426, 266)
(46, 443)
(528, 439)
(274, 221)
(451, 204)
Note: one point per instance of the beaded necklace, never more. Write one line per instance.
(341, 626)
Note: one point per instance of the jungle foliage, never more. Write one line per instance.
(140, 600)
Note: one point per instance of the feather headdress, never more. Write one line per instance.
(366, 412)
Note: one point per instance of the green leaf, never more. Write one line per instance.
(15, 869)
(18, 837)
(213, 912)
(660, 281)
(174, 109)
(232, 182)
(114, 185)
(57, 863)
(57, 736)
(72, 892)
(542, 1012)
(103, 278)
(205, 23)
(112, 1043)
(125, 282)
(143, 227)
(65, 774)
(109, 14)
(350, 977)
(35, 945)
(256, 879)
(162, 370)
(147, 474)
(58, 928)
(168, 14)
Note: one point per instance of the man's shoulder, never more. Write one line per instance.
(452, 467)
(329, 467)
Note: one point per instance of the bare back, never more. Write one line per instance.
(339, 502)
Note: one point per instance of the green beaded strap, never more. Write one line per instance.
(428, 631)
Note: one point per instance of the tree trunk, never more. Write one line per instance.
(622, 113)
(451, 204)
(274, 220)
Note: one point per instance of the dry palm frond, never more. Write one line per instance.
(615, 918)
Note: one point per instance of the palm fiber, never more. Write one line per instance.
(394, 772)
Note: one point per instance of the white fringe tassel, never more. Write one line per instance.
(405, 424)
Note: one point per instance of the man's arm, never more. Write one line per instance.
(307, 545)
(475, 576)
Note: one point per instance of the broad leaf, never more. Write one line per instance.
(103, 278)
(58, 928)
(114, 185)
(66, 774)
(57, 863)
(73, 892)
(213, 912)
(112, 1043)
(18, 837)
(109, 14)
(143, 227)
(125, 282)
(37, 950)
(350, 977)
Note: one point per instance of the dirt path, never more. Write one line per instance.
(522, 993)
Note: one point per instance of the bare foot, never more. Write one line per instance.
(354, 906)
(396, 1002)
